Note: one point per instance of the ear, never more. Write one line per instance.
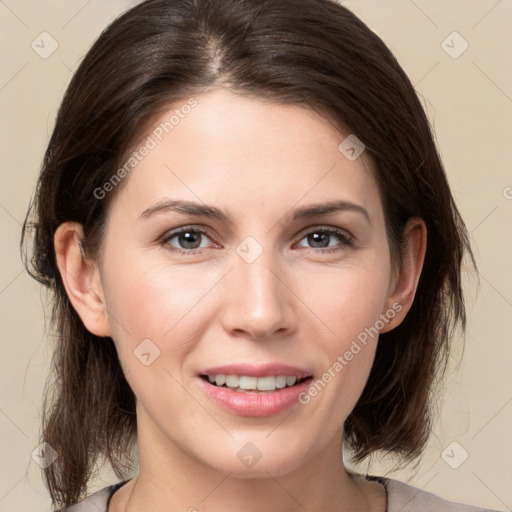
(405, 282)
(81, 279)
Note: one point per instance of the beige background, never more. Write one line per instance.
(468, 98)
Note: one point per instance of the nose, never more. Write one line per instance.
(259, 303)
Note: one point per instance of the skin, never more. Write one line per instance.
(295, 304)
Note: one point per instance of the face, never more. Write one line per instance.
(266, 286)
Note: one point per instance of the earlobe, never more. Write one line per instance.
(404, 287)
(81, 279)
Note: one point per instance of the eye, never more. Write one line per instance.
(188, 240)
(320, 238)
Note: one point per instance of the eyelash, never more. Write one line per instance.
(345, 239)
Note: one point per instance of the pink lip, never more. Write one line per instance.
(263, 370)
(257, 403)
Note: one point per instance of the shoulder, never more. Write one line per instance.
(96, 502)
(403, 497)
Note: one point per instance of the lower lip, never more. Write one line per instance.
(266, 403)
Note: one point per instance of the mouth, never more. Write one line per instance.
(251, 384)
(249, 390)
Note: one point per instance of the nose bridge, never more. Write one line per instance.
(259, 302)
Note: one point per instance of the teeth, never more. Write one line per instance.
(281, 381)
(266, 384)
(245, 382)
(220, 380)
(232, 381)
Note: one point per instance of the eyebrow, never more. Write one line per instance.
(204, 210)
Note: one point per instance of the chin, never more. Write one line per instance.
(256, 459)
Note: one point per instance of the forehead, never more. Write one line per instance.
(247, 154)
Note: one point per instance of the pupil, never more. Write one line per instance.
(190, 238)
(315, 238)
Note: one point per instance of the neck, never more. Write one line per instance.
(172, 479)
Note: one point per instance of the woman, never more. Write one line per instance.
(255, 257)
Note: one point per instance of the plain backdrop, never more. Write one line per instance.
(457, 54)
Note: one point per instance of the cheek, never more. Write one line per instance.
(157, 318)
(157, 302)
(347, 299)
(348, 304)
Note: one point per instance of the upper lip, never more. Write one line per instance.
(260, 370)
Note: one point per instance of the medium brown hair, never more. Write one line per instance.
(311, 53)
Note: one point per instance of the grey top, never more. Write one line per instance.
(401, 497)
